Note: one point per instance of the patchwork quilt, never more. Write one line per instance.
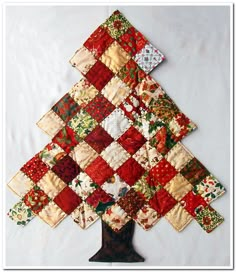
(115, 151)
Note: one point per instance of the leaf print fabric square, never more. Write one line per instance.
(21, 214)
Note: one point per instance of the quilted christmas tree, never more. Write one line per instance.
(115, 152)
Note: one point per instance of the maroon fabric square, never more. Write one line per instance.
(99, 108)
(99, 171)
(99, 75)
(130, 171)
(67, 169)
(99, 139)
(67, 200)
(162, 202)
(132, 140)
(35, 168)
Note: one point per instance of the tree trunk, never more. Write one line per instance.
(117, 246)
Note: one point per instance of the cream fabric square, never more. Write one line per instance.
(52, 214)
(178, 187)
(20, 184)
(51, 123)
(83, 154)
(115, 57)
(178, 217)
(147, 217)
(51, 184)
(178, 156)
(83, 60)
(51, 154)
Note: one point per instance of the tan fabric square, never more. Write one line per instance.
(51, 184)
(178, 187)
(178, 156)
(115, 57)
(52, 214)
(178, 217)
(51, 123)
(147, 217)
(83, 154)
(20, 184)
(83, 60)
(116, 91)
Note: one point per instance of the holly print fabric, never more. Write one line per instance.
(116, 151)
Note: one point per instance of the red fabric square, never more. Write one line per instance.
(99, 197)
(130, 171)
(132, 41)
(99, 171)
(99, 108)
(99, 139)
(67, 200)
(192, 203)
(35, 168)
(163, 172)
(67, 169)
(98, 42)
(99, 75)
(66, 138)
(183, 121)
(132, 140)
(162, 202)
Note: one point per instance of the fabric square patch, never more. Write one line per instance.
(131, 203)
(115, 155)
(178, 217)
(66, 139)
(21, 214)
(83, 154)
(115, 57)
(99, 108)
(193, 203)
(163, 172)
(98, 42)
(66, 108)
(99, 139)
(115, 187)
(52, 214)
(35, 168)
(131, 74)
(36, 199)
(194, 171)
(132, 41)
(162, 202)
(84, 216)
(116, 123)
(99, 171)
(51, 184)
(148, 58)
(130, 171)
(66, 169)
(209, 219)
(147, 217)
(82, 123)
(83, 60)
(131, 140)
(99, 75)
(178, 187)
(116, 91)
(115, 217)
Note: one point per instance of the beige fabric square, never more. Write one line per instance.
(116, 91)
(147, 217)
(115, 57)
(51, 184)
(51, 123)
(84, 216)
(52, 214)
(20, 184)
(178, 187)
(178, 156)
(83, 154)
(83, 92)
(83, 60)
(178, 217)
